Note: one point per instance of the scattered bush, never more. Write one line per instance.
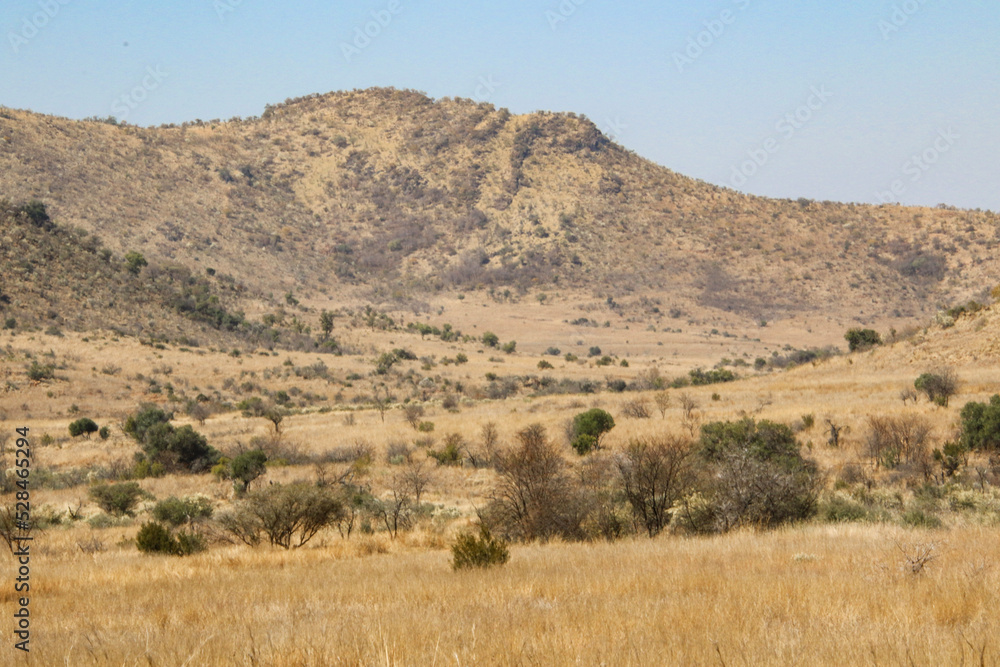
(289, 515)
(653, 474)
(156, 539)
(119, 499)
(83, 426)
(173, 447)
(179, 511)
(939, 386)
(981, 425)
(589, 429)
(862, 339)
(482, 551)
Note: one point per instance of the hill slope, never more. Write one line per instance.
(400, 195)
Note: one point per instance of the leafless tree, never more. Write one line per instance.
(653, 475)
(662, 400)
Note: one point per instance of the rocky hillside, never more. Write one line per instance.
(398, 195)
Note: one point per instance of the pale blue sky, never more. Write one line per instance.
(886, 80)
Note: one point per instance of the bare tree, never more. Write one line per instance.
(662, 400)
(894, 440)
(835, 431)
(396, 511)
(381, 402)
(690, 417)
(653, 475)
(413, 413)
(416, 477)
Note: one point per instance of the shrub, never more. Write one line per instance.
(119, 499)
(173, 447)
(155, 538)
(453, 452)
(544, 365)
(83, 426)
(38, 372)
(490, 339)
(509, 347)
(483, 550)
(862, 339)
(289, 515)
(178, 511)
(637, 409)
(134, 262)
(700, 377)
(104, 433)
(981, 425)
(534, 497)
(838, 509)
(939, 386)
(589, 428)
(756, 476)
(899, 439)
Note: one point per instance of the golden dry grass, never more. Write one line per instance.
(813, 596)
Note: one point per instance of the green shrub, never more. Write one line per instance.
(104, 432)
(589, 428)
(453, 452)
(119, 499)
(483, 551)
(247, 467)
(425, 427)
(178, 511)
(544, 365)
(289, 515)
(862, 339)
(981, 425)
(83, 426)
(939, 386)
(134, 262)
(509, 347)
(153, 538)
(490, 339)
(173, 447)
(38, 372)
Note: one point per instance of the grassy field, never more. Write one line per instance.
(808, 595)
(815, 593)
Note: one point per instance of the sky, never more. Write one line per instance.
(867, 101)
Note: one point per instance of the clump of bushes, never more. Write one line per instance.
(119, 499)
(172, 447)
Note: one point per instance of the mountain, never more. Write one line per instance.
(386, 194)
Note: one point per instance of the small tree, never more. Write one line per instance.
(939, 386)
(413, 414)
(83, 426)
(662, 400)
(490, 339)
(247, 467)
(589, 429)
(326, 323)
(862, 339)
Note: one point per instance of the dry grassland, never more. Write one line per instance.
(812, 594)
